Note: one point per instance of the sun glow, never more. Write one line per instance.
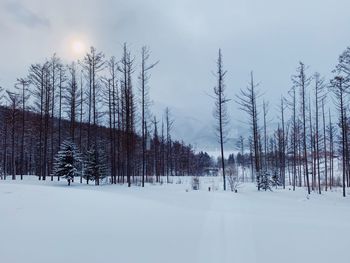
(78, 47)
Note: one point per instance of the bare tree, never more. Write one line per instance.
(220, 112)
(93, 63)
(144, 79)
(39, 75)
(169, 122)
(72, 99)
(339, 87)
(247, 100)
(331, 132)
(128, 110)
(300, 80)
(294, 133)
(265, 112)
(61, 81)
(22, 86)
(325, 144)
(319, 96)
(283, 146)
(14, 102)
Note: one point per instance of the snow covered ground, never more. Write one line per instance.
(49, 222)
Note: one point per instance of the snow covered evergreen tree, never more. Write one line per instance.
(67, 161)
(264, 181)
(276, 180)
(95, 167)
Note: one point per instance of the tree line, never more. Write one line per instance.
(308, 145)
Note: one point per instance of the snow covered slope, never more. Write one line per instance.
(51, 222)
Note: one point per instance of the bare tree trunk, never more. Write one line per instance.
(221, 113)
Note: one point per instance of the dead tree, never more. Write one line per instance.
(265, 112)
(319, 96)
(112, 87)
(22, 87)
(292, 104)
(14, 102)
(61, 81)
(144, 89)
(93, 63)
(325, 145)
(339, 87)
(301, 81)
(39, 78)
(331, 134)
(283, 146)
(169, 122)
(220, 112)
(126, 69)
(72, 99)
(247, 99)
(55, 65)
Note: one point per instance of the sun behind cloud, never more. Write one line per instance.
(78, 47)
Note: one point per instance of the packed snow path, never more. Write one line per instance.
(56, 223)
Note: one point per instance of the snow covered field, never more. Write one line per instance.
(49, 222)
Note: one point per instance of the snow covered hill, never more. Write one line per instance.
(44, 222)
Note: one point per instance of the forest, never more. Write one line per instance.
(91, 110)
(91, 120)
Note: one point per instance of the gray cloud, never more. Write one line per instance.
(25, 16)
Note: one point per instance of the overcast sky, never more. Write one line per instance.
(268, 37)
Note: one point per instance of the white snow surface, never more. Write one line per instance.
(49, 222)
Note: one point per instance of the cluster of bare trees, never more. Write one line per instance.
(305, 147)
(94, 104)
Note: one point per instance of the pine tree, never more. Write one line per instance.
(264, 181)
(67, 161)
(95, 167)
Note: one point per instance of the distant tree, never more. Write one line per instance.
(231, 160)
(233, 178)
(240, 156)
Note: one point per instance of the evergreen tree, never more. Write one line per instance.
(95, 167)
(264, 181)
(276, 179)
(67, 161)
